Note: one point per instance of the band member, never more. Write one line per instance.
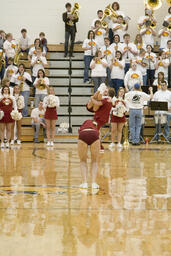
(24, 41)
(11, 69)
(42, 85)
(148, 33)
(150, 56)
(159, 80)
(120, 28)
(98, 66)
(99, 17)
(38, 61)
(164, 35)
(142, 65)
(70, 28)
(7, 104)
(51, 103)
(2, 38)
(135, 100)
(20, 105)
(9, 46)
(90, 48)
(100, 33)
(117, 71)
(168, 16)
(33, 49)
(88, 136)
(164, 95)
(162, 65)
(139, 43)
(132, 77)
(23, 79)
(118, 118)
(168, 56)
(116, 45)
(38, 121)
(147, 17)
(129, 51)
(6, 82)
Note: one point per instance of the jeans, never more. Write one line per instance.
(38, 98)
(150, 76)
(26, 95)
(116, 83)
(68, 34)
(34, 89)
(145, 80)
(135, 117)
(111, 35)
(36, 127)
(167, 127)
(109, 81)
(98, 81)
(87, 60)
(127, 66)
(2, 72)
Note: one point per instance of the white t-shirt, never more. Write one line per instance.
(87, 43)
(9, 47)
(32, 51)
(25, 42)
(132, 77)
(140, 46)
(107, 52)
(116, 71)
(45, 81)
(38, 114)
(16, 79)
(116, 47)
(168, 18)
(10, 71)
(93, 22)
(129, 55)
(121, 31)
(142, 19)
(163, 96)
(38, 66)
(165, 36)
(99, 70)
(150, 57)
(161, 68)
(148, 37)
(136, 99)
(119, 13)
(99, 36)
(140, 67)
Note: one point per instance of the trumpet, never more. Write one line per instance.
(2, 61)
(75, 13)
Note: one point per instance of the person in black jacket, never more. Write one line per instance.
(70, 28)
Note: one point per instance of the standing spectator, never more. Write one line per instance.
(70, 28)
(42, 85)
(38, 121)
(24, 41)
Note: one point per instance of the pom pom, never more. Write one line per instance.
(63, 127)
(16, 115)
(52, 101)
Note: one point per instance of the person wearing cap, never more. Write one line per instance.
(135, 100)
(165, 95)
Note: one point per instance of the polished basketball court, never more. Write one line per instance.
(43, 211)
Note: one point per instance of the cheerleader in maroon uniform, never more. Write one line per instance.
(51, 103)
(7, 105)
(20, 105)
(88, 136)
(118, 118)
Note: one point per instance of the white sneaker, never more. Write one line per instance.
(2, 145)
(51, 143)
(111, 145)
(84, 185)
(19, 142)
(48, 143)
(119, 145)
(95, 185)
(12, 142)
(7, 145)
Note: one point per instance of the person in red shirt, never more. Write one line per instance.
(88, 136)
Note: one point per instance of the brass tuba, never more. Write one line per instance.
(153, 4)
(2, 61)
(17, 56)
(108, 13)
(75, 13)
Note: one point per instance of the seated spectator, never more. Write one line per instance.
(43, 42)
(38, 121)
(42, 85)
(24, 41)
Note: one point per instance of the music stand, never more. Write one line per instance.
(159, 106)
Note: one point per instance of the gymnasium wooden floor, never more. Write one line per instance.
(43, 212)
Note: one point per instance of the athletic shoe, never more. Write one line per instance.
(18, 142)
(12, 142)
(119, 145)
(7, 145)
(51, 143)
(2, 145)
(48, 143)
(95, 185)
(84, 185)
(111, 145)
